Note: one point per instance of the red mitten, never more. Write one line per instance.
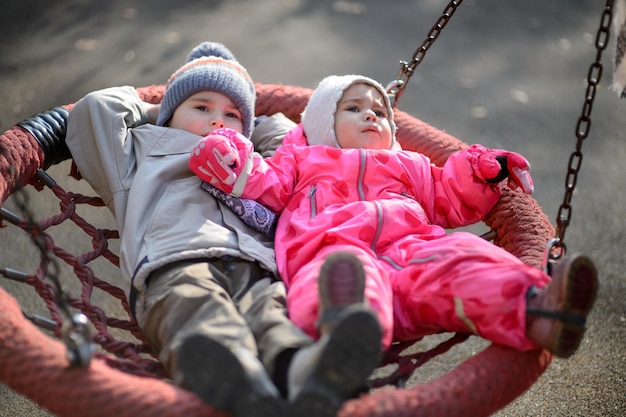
(217, 158)
(497, 165)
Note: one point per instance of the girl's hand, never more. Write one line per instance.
(217, 159)
(497, 165)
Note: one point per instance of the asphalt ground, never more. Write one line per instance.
(507, 75)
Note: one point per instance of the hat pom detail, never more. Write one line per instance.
(210, 49)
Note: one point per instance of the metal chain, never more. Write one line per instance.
(583, 126)
(396, 87)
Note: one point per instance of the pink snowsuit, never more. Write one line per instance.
(391, 208)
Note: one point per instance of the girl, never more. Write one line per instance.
(342, 185)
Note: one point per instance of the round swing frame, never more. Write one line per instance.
(37, 366)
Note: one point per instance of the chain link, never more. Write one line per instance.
(396, 87)
(583, 126)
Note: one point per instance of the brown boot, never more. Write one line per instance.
(558, 312)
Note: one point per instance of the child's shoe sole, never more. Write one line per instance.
(218, 377)
(351, 354)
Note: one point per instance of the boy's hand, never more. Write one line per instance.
(215, 160)
(152, 112)
(498, 165)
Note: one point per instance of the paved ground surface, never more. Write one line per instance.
(505, 74)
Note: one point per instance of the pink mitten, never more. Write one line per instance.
(217, 158)
(497, 165)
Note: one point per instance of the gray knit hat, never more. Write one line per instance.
(318, 118)
(210, 67)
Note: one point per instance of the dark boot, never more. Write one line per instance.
(326, 374)
(229, 379)
(341, 284)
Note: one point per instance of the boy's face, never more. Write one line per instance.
(361, 119)
(206, 111)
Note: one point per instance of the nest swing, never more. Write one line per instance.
(37, 366)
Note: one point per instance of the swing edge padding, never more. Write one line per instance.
(34, 364)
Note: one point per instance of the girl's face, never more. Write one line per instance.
(361, 119)
(206, 111)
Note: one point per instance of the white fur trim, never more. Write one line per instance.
(242, 179)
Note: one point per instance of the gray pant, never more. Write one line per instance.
(227, 299)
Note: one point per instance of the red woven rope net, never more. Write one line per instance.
(124, 380)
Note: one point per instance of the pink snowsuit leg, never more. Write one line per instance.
(302, 295)
(463, 284)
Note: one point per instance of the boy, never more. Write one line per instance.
(201, 283)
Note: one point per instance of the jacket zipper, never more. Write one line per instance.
(359, 184)
(311, 196)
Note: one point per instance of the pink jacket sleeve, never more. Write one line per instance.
(271, 181)
(456, 194)
(226, 160)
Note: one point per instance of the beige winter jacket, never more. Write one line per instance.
(141, 172)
